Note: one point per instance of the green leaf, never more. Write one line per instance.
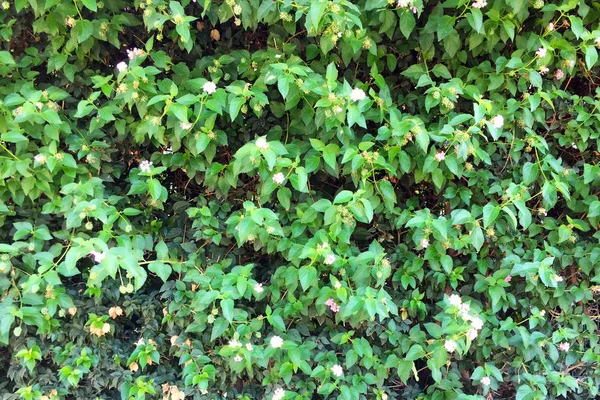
(90, 4)
(307, 276)
(475, 19)
(407, 23)
(422, 138)
(490, 213)
(84, 29)
(162, 270)
(591, 56)
(219, 327)
(155, 188)
(227, 308)
(343, 197)
(415, 352)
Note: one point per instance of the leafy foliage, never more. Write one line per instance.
(299, 199)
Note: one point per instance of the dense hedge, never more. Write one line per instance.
(299, 199)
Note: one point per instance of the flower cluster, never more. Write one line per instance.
(135, 53)
(278, 394)
(262, 143)
(278, 178)
(337, 370)
(333, 306)
(276, 342)
(145, 166)
(476, 323)
(209, 87)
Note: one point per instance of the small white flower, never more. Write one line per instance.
(565, 346)
(424, 243)
(485, 381)
(337, 285)
(276, 342)
(98, 257)
(122, 66)
(249, 347)
(455, 300)
(472, 334)
(278, 394)
(145, 166)
(477, 323)
(357, 94)
(234, 343)
(278, 178)
(450, 346)
(262, 143)
(479, 4)
(440, 156)
(185, 125)
(209, 87)
(330, 259)
(258, 288)
(550, 27)
(498, 121)
(237, 358)
(464, 308)
(337, 370)
(277, 55)
(557, 278)
(541, 52)
(40, 159)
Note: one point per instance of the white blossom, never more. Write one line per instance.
(145, 166)
(357, 94)
(455, 300)
(485, 381)
(122, 66)
(40, 159)
(541, 52)
(278, 178)
(498, 121)
(234, 343)
(258, 288)
(450, 346)
(472, 333)
(330, 259)
(209, 87)
(476, 323)
(276, 342)
(337, 370)
(262, 143)
(278, 394)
